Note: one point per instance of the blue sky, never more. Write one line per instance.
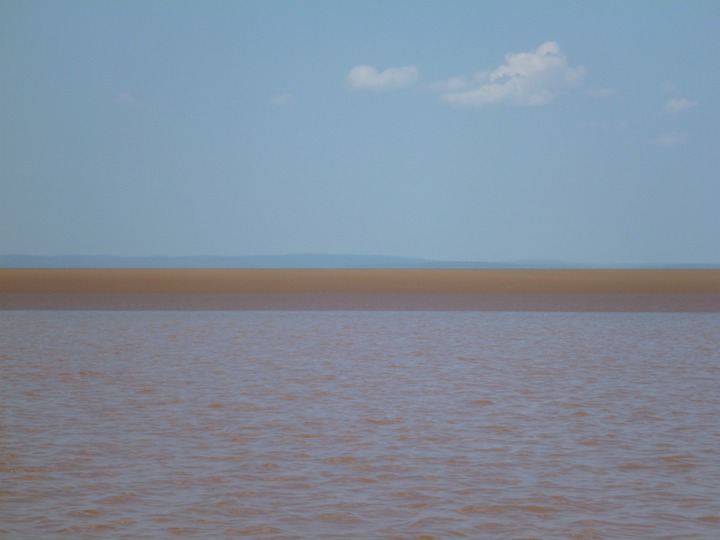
(464, 130)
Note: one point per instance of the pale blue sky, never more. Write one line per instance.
(488, 130)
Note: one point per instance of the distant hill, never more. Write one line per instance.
(272, 261)
(289, 261)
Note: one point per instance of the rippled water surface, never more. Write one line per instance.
(359, 425)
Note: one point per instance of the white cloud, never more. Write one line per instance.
(668, 87)
(369, 78)
(529, 78)
(282, 100)
(678, 105)
(670, 139)
(453, 84)
(125, 99)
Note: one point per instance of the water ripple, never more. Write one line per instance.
(294, 425)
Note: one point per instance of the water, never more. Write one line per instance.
(407, 425)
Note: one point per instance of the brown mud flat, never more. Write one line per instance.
(365, 289)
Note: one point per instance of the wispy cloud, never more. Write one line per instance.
(668, 87)
(282, 100)
(601, 92)
(670, 139)
(678, 105)
(526, 78)
(369, 78)
(453, 84)
(125, 99)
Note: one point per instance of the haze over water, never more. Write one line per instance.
(359, 425)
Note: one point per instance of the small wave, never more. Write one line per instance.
(251, 531)
(118, 499)
(384, 421)
(504, 508)
(90, 512)
(88, 528)
(499, 429)
(182, 531)
(635, 467)
(341, 459)
(336, 516)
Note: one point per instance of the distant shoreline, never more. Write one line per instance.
(312, 261)
(366, 289)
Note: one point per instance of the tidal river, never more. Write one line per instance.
(367, 425)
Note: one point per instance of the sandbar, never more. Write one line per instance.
(365, 289)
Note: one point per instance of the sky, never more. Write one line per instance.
(580, 131)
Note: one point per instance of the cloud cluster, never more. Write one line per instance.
(369, 78)
(526, 78)
(674, 107)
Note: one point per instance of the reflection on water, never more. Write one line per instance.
(359, 425)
